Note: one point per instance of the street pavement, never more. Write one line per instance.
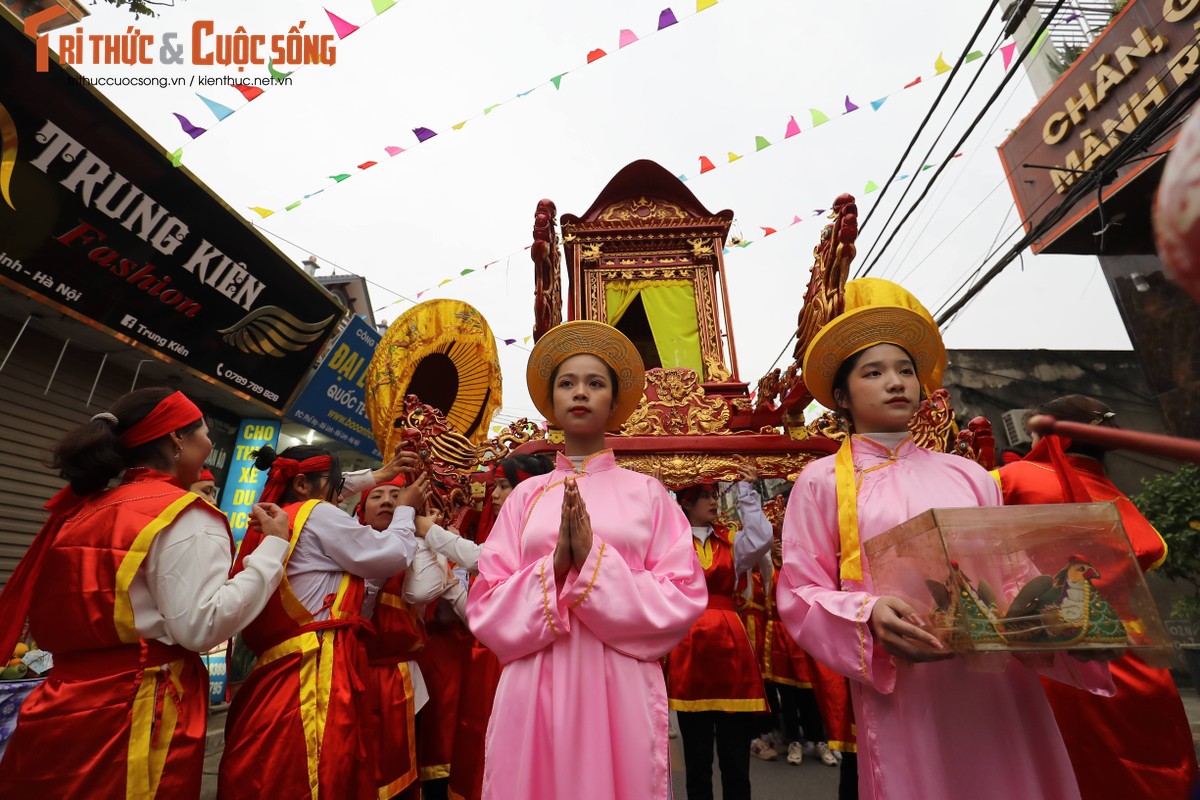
(769, 780)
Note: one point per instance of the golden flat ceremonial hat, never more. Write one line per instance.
(875, 312)
(580, 337)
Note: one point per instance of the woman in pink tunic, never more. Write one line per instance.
(927, 728)
(587, 579)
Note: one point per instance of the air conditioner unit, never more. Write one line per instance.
(1014, 427)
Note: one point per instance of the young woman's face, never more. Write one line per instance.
(703, 508)
(380, 506)
(194, 449)
(501, 489)
(583, 395)
(883, 390)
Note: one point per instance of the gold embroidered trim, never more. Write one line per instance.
(704, 551)
(719, 705)
(546, 600)
(862, 637)
(595, 574)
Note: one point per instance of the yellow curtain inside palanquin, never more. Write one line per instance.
(671, 311)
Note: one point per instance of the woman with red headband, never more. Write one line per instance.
(296, 726)
(125, 586)
(713, 680)
(1145, 722)
(206, 486)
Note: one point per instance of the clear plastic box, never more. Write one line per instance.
(1022, 578)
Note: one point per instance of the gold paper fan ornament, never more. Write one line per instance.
(443, 351)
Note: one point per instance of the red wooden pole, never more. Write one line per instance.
(1171, 447)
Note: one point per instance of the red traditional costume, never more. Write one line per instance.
(752, 608)
(441, 661)
(477, 693)
(397, 638)
(398, 635)
(713, 668)
(1138, 743)
(295, 727)
(119, 716)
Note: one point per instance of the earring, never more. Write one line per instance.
(178, 450)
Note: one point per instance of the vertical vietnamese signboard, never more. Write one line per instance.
(334, 402)
(244, 483)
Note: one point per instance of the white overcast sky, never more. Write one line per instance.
(707, 86)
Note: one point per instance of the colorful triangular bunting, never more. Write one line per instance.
(850, 106)
(666, 18)
(276, 75)
(596, 55)
(219, 111)
(871, 187)
(733, 156)
(940, 65)
(340, 177)
(423, 134)
(381, 6)
(703, 4)
(340, 26)
(248, 92)
(913, 83)
(878, 104)
(628, 37)
(191, 130)
(262, 212)
(393, 150)
(176, 157)
(557, 80)
(818, 117)
(705, 165)
(792, 128)
(761, 143)
(1007, 52)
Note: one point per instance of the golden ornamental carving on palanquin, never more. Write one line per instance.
(590, 251)
(715, 369)
(677, 470)
(641, 210)
(680, 407)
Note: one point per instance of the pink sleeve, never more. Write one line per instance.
(642, 610)
(514, 610)
(829, 623)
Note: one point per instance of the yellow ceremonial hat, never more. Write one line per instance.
(875, 312)
(591, 338)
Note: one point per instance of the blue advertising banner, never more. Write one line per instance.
(334, 402)
(244, 483)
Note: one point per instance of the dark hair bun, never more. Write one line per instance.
(264, 457)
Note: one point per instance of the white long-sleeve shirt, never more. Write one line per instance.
(462, 552)
(183, 593)
(332, 543)
(754, 538)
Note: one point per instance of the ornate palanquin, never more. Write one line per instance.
(646, 231)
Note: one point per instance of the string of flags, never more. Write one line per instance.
(819, 117)
(249, 93)
(666, 18)
(735, 243)
(761, 143)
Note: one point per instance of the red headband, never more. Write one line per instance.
(284, 469)
(206, 475)
(399, 480)
(174, 412)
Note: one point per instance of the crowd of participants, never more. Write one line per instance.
(542, 656)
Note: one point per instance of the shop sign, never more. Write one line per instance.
(1149, 52)
(245, 483)
(97, 223)
(334, 401)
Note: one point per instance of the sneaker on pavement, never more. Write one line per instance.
(761, 750)
(826, 755)
(795, 754)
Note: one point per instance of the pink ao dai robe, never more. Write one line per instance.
(581, 709)
(932, 731)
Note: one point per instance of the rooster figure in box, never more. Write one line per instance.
(1068, 609)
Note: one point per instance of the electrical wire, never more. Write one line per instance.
(945, 87)
(971, 128)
